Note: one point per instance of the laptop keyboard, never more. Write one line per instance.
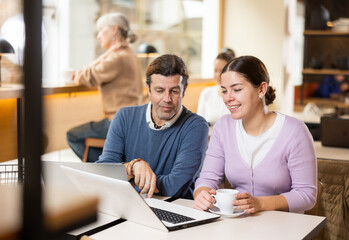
(171, 217)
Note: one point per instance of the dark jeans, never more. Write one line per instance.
(76, 138)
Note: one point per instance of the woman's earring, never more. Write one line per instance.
(260, 96)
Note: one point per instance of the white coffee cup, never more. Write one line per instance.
(68, 74)
(225, 199)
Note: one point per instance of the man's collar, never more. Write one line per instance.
(167, 123)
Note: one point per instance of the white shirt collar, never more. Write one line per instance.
(167, 124)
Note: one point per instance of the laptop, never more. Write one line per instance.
(334, 131)
(120, 199)
(53, 176)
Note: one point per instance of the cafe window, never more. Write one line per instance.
(187, 28)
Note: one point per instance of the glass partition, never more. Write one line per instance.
(69, 39)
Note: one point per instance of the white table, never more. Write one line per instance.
(264, 225)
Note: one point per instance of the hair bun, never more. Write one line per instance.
(132, 37)
(270, 95)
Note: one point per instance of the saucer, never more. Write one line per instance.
(236, 213)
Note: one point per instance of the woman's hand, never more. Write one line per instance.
(145, 178)
(247, 202)
(203, 199)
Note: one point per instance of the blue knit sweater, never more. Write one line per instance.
(175, 154)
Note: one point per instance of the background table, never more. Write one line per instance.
(16, 91)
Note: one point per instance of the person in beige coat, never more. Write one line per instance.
(117, 75)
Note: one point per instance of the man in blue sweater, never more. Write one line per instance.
(162, 144)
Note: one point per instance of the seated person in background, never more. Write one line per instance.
(118, 77)
(332, 84)
(210, 105)
(162, 143)
(267, 156)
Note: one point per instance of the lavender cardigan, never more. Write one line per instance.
(289, 168)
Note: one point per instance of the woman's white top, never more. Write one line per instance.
(253, 149)
(211, 105)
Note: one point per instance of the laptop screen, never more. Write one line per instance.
(119, 198)
(53, 176)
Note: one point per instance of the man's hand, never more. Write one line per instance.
(145, 178)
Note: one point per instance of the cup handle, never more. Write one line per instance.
(215, 204)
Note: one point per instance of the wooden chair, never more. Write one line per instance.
(315, 209)
(92, 142)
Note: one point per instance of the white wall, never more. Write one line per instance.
(71, 37)
(257, 27)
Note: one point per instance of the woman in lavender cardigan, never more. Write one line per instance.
(268, 156)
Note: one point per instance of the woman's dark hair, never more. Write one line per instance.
(226, 56)
(168, 65)
(226, 49)
(254, 71)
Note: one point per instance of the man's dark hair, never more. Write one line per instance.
(168, 65)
